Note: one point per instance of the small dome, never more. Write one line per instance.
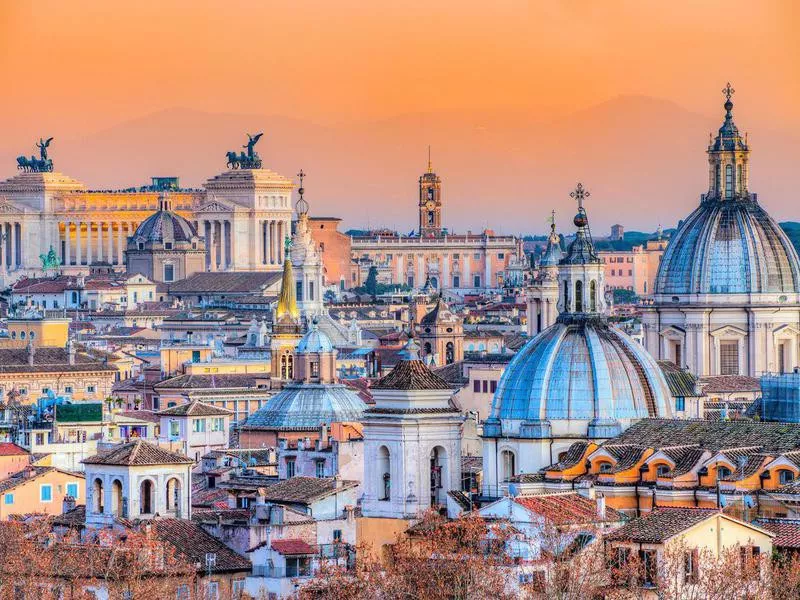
(581, 369)
(307, 406)
(315, 342)
(165, 225)
(729, 247)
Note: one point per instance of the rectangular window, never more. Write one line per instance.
(174, 429)
(456, 281)
(690, 566)
(648, 560)
(320, 469)
(492, 386)
(476, 281)
(337, 535)
(218, 424)
(91, 389)
(68, 389)
(46, 492)
(729, 358)
(72, 490)
(485, 385)
(169, 272)
(311, 290)
(182, 592)
(501, 255)
(237, 588)
(476, 386)
(299, 291)
(8, 499)
(198, 425)
(678, 354)
(212, 590)
(680, 404)
(290, 468)
(45, 390)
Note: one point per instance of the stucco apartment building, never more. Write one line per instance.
(634, 269)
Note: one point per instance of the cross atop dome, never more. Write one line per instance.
(302, 204)
(579, 194)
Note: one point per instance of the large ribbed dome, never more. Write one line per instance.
(729, 247)
(581, 369)
(167, 226)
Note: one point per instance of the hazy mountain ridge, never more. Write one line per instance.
(642, 158)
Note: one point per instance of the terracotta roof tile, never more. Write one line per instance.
(661, 524)
(411, 375)
(11, 449)
(787, 532)
(136, 454)
(567, 508)
(195, 408)
(194, 543)
(48, 360)
(719, 384)
(304, 490)
(293, 547)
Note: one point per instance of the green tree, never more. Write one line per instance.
(371, 285)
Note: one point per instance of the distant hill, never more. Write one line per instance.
(642, 158)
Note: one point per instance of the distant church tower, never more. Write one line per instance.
(542, 294)
(307, 262)
(430, 202)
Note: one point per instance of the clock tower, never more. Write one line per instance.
(430, 203)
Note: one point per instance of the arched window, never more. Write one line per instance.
(508, 465)
(438, 475)
(579, 296)
(97, 495)
(739, 183)
(604, 467)
(384, 473)
(427, 348)
(146, 497)
(723, 472)
(717, 180)
(116, 499)
(729, 181)
(449, 354)
(593, 296)
(173, 494)
(566, 296)
(662, 470)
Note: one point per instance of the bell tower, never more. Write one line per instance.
(728, 158)
(430, 202)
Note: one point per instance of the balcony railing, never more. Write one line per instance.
(281, 572)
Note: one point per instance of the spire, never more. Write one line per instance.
(552, 253)
(302, 205)
(287, 302)
(728, 156)
(581, 250)
(430, 165)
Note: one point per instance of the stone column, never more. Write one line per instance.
(487, 282)
(444, 279)
(88, 243)
(271, 238)
(280, 242)
(13, 251)
(3, 248)
(110, 242)
(100, 242)
(120, 244)
(223, 261)
(265, 241)
(67, 243)
(212, 246)
(78, 245)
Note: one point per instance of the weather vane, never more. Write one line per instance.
(579, 194)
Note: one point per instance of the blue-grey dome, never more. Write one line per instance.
(728, 247)
(307, 406)
(581, 369)
(315, 342)
(165, 225)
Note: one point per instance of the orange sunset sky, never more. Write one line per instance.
(518, 99)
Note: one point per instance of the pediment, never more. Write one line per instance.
(728, 331)
(215, 206)
(785, 330)
(9, 208)
(672, 331)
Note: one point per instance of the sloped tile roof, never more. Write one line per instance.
(411, 375)
(720, 384)
(661, 524)
(11, 449)
(27, 474)
(304, 490)
(195, 408)
(787, 532)
(682, 383)
(712, 435)
(234, 381)
(452, 374)
(684, 457)
(572, 457)
(48, 360)
(567, 508)
(194, 543)
(626, 455)
(241, 282)
(293, 547)
(138, 453)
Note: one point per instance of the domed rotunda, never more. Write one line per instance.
(579, 378)
(165, 246)
(727, 293)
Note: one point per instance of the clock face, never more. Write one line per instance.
(430, 205)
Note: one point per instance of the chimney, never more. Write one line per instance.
(68, 504)
(71, 352)
(601, 506)
(31, 353)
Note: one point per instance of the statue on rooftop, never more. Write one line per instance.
(251, 160)
(42, 164)
(50, 261)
